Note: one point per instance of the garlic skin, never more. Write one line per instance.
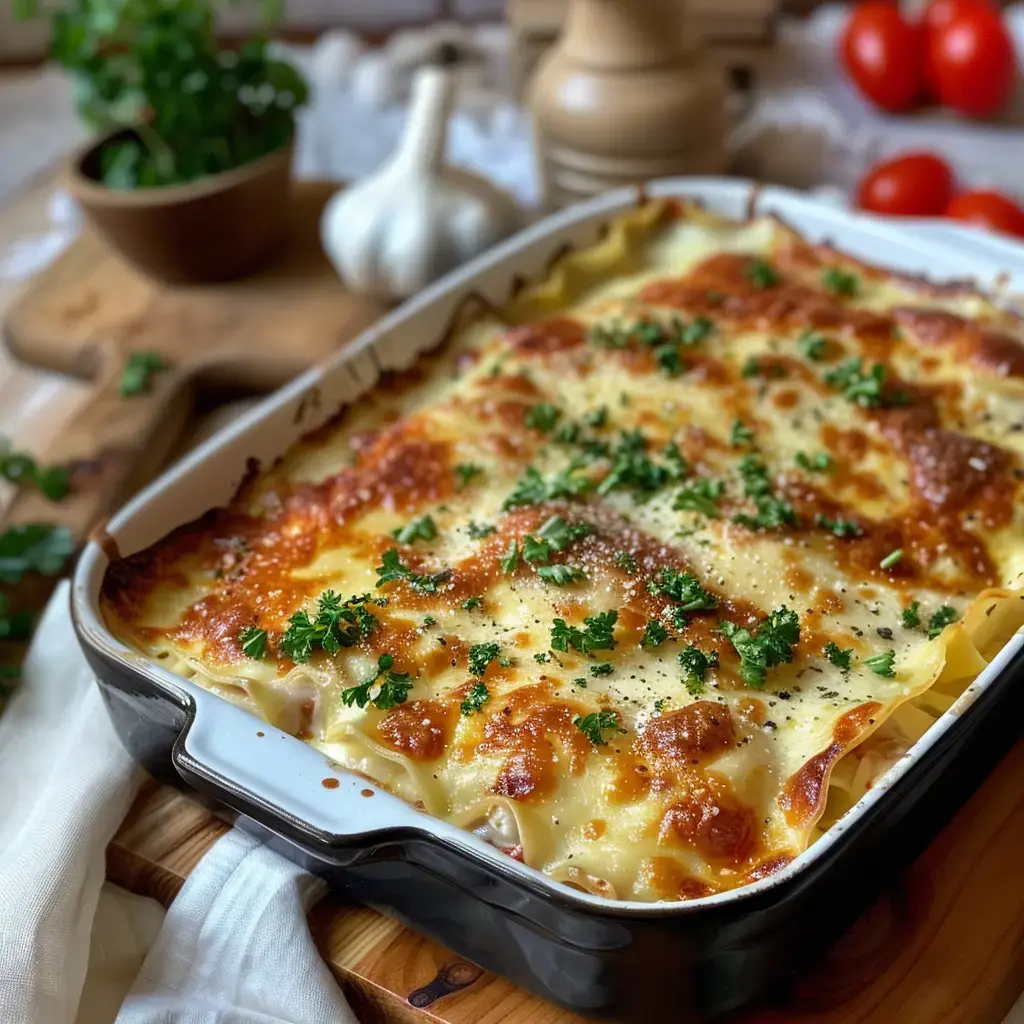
(414, 219)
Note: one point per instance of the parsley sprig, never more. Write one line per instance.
(596, 723)
(597, 636)
(837, 655)
(771, 645)
(392, 687)
(941, 619)
(475, 700)
(695, 664)
(840, 282)
(481, 655)
(700, 496)
(336, 624)
(253, 642)
(863, 388)
(392, 570)
(534, 489)
(881, 664)
(682, 587)
(421, 528)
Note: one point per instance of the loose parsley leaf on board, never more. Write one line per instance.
(477, 697)
(34, 547)
(392, 570)
(941, 619)
(837, 655)
(23, 471)
(421, 528)
(840, 282)
(911, 615)
(139, 370)
(695, 664)
(393, 690)
(597, 636)
(593, 725)
(881, 664)
(684, 588)
(253, 641)
(480, 656)
(771, 645)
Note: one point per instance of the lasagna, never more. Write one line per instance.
(645, 577)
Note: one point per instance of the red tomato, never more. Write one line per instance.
(911, 185)
(970, 63)
(988, 210)
(883, 54)
(939, 13)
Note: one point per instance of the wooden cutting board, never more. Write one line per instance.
(88, 311)
(946, 944)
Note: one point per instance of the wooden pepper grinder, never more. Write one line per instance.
(627, 94)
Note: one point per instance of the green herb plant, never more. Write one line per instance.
(193, 107)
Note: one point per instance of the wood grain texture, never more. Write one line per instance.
(945, 944)
(88, 311)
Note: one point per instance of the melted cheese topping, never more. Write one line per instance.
(682, 397)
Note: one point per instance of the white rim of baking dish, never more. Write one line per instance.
(240, 754)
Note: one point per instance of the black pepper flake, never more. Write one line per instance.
(783, 695)
(884, 632)
(769, 724)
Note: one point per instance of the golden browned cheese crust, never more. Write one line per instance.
(647, 581)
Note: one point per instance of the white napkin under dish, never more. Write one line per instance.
(233, 949)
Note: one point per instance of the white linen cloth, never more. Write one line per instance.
(234, 947)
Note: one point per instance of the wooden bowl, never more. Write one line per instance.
(213, 229)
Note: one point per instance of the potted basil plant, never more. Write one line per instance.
(189, 179)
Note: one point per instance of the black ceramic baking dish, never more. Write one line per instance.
(625, 961)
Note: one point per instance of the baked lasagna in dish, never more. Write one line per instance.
(646, 577)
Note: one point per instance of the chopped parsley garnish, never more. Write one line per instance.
(536, 550)
(655, 634)
(393, 687)
(613, 335)
(560, 575)
(533, 489)
(392, 570)
(477, 697)
(762, 274)
(597, 636)
(819, 462)
(559, 534)
(596, 723)
(472, 602)
(669, 361)
(597, 418)
(624, 560)
(568, 433)
(696, 330)
(428, 621)
(881, 664)
(771, 645)
(772, 514)
(911, 615)
(421, 528)
(466, 471)
(941, 619)
(840, 527)
(678, 467)
(837, 655)
(543, 417)
(542, 657)
(840, 282)
(23, 471)
(139, 370)
(510, 560)
(864, 389)
(754, 475)
(891, 559)
(632, 469)
(480, 656)
(812, 345)
(751, 368)
(740, 434)
(684, 588)
(602, 668)
(695, 664)
(336, 624)
(477, 531)
(700, 496)
(580, 681)
(253, 641)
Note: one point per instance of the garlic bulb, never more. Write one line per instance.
(414, 219)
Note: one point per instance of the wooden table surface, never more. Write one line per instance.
(945, 944)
